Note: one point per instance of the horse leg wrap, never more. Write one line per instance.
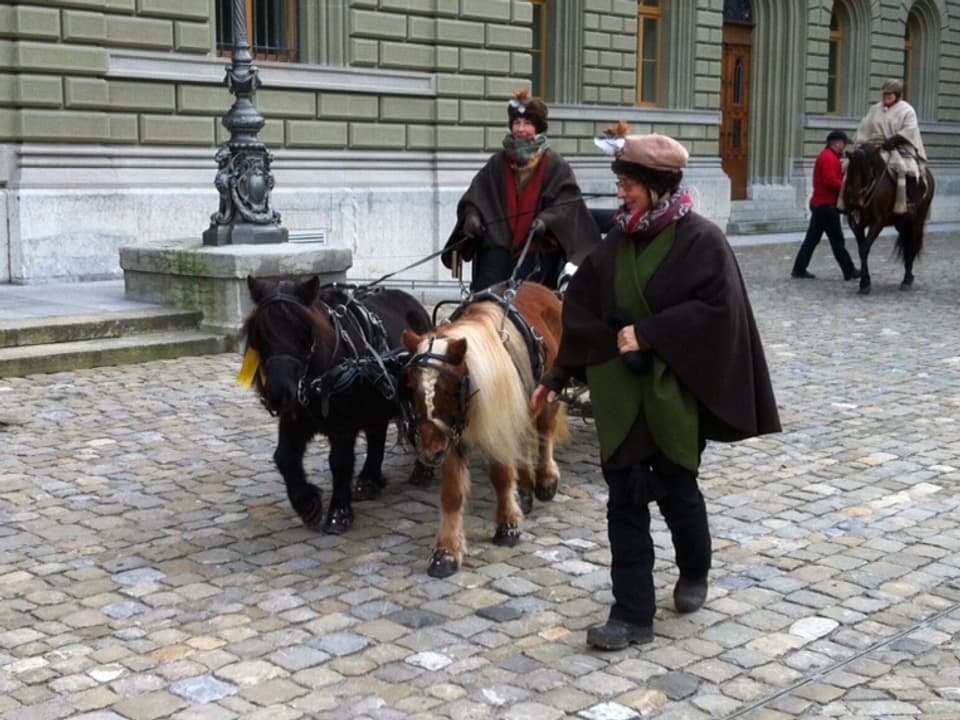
(507, 535)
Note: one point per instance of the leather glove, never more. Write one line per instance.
(891, 143)
(473, 226)
(538, 227)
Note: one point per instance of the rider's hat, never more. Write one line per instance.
(523, 104)
(892, 86)
(837, 135)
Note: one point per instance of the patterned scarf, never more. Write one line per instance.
(521, 153)
(649, 224)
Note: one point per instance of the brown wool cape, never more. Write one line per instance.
(701, 325)
(561, 207)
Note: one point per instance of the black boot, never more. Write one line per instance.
(689, 594)
(617, 635)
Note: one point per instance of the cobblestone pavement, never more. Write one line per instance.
(151, 566)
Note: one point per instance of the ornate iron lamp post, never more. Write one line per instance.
(243, 177)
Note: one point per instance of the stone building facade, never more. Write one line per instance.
(380, 111)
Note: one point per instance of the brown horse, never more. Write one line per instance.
(869, 192)
(471, 381)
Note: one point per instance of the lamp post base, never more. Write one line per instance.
(244, 234)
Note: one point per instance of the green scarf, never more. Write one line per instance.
(521, 152)
(670, 410)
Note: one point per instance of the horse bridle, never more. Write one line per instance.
(429, 360)
(342, 375)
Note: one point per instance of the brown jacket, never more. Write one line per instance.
(701, 325)
(561, 207)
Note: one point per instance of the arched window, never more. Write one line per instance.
(649, 26)
(911, 31)
(922, 30)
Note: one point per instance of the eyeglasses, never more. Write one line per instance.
(626, 185)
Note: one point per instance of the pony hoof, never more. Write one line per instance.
(312, 518)
(339, 521)
(507, 535)
(547, 492)
(906, 284)
(526, 502)
(368, 488)
(442, 564)
(422, 475)
(865, 290)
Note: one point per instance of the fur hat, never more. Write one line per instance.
(523, 104)
(892, 86)
(655, 152)
(837, 135)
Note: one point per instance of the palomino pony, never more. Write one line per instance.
(322, 360)
(869, 192)
(471, 380)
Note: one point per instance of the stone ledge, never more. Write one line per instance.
(186, 274)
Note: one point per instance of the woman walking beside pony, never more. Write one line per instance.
(658, 323)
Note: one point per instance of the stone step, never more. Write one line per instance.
(16, 361)
(44, 331)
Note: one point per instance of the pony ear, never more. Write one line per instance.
(410, 340)
(308, 290)
(257, 288)
(456, 349)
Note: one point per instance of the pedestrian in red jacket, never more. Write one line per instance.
(824, 216)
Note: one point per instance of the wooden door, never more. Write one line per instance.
(735, 107)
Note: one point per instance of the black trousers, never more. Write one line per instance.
(492, 265)
(628, 527)
(824, 219)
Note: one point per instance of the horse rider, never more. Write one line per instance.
(524, 188)
(892, 124)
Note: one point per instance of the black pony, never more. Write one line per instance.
(869, 192)
(323, 360)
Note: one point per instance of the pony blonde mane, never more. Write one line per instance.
(498, 414)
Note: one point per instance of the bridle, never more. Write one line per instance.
(355, 364)
(456, 423)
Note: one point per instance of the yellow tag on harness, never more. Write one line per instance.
(251, 363)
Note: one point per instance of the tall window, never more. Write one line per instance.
(909, 60)
(649, 23)
(271, 28)
(834, 63)
(538, 49)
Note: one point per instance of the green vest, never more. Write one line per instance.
(618, 394)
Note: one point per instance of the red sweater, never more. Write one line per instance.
(827, 179)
